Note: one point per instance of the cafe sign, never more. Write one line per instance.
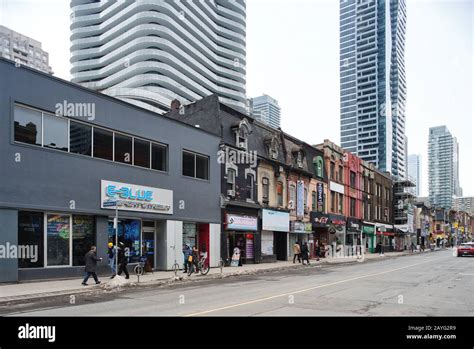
(132, 197)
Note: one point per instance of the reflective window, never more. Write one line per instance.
(55, 132)
(80, 138)
(103, 144)
(158, 157)
(83, 237)
(27, 125)
(58, 231)
(31, 233)
(123, 149)
(188, 164)
(141, 153)
(202, 167)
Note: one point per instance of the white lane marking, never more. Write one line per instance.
(302, 290)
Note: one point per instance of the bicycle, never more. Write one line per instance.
(202, 267)
(175, 266)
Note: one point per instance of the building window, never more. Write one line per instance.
(340, 203)
(80, 138)
(353, 179)
(292, 202)
(231, 173)
(58, 235)
(31, 233)
(141, 153)
(250, 186)
(103, 144)
(333, 201)
(158, 157)
(83, 237)
(369, 211)
(55, 132)
(353, 207)
(318, 166)
(279, 192)
(313, 201)
(333, 170)
(123, 149)
(195, 165)
(341, 173)
(28, 125)
(265, 190)
(305, 197)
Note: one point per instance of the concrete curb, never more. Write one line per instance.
(99, 290)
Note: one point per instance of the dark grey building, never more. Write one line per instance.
(68, 153)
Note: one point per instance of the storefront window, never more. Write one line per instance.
(31, 233)
(83, 235)
(27, 125)
(129, 232)
(80, 138)
(58, 232)
(189, 234)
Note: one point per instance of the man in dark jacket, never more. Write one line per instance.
(305, 253)
(91, 265)
(123, 260)
(186, 253)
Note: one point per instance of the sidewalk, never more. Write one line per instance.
(36, 290)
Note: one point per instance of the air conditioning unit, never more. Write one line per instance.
(242, 145)
(291, 205)
(231, 193)
(300, 164)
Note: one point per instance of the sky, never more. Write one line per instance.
(293, 56)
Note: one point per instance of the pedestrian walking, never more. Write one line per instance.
(111, 255)
(91, 265)
(123, 260)
(186, 253)
(296, 252)
(195, 254)
(318, 251)
(305, 253)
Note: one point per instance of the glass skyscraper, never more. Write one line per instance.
(373, 83)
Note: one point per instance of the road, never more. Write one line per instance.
(430, 284)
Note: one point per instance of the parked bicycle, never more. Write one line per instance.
(175, 266)
(202, 266)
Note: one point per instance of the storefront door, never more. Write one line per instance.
(281, 245)
(148, 242)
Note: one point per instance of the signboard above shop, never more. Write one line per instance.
(275, 220)
(240, 222)
(132, 197)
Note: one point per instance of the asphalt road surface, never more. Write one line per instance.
(430, 284)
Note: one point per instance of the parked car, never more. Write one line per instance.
(466, 249)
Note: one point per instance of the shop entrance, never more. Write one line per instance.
(129, 234)
(281, 246)
(245, 243)
(148, 242)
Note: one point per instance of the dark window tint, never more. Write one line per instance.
(188, 164)
(83, 235)
(31, 233)
(80, 138)
(202, 167)
(158, 157)
(141, 153)
(123, 149)
(103, 144)
(27, 125)
(55, 132)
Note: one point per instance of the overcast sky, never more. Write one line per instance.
(293, 56)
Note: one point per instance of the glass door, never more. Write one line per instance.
(148, 242)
